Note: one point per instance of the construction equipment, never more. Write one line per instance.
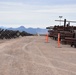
(66, 25)
(66, 31)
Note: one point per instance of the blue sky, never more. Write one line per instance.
(35, 13)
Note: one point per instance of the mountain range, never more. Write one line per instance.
(29, 30)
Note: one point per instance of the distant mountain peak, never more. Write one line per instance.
(30, 30)
(21, 27)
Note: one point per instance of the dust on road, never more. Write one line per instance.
(31, 55)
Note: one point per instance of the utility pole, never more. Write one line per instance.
(60, 19)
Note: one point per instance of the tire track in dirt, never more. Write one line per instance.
(55, 72)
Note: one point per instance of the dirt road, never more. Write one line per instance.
(31, 55)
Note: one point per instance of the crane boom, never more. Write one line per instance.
(66, 21)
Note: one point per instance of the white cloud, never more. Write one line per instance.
(11, 3)
(58, 9)
(12, 13)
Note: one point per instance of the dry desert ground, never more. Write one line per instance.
(31, 55)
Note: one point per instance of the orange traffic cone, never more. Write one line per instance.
(58, 40)
(46, 37)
